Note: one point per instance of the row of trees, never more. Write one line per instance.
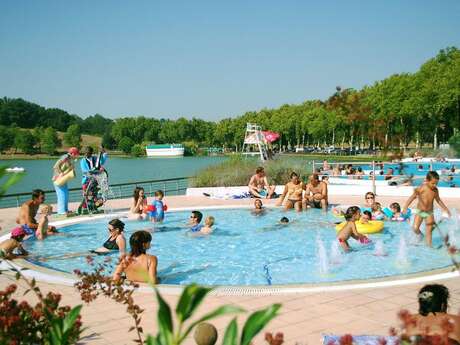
(37, 140)
(421, 107)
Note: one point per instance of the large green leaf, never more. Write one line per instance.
(70, 319)
(256, 322)
(165, 324)
(191, 298)
(231, 333)
(223, 310)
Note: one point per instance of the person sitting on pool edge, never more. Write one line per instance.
(138, 266)
(293, 191)
(28, 212)
(316, 193)
(195, 221)
(258, 185)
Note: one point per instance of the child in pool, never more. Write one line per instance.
(208, 224)
(426, 194)
(377, 213)
(366, 216)
(42, 229)
(352, 214)
(397, 216)
(157, 215)
(8, 246)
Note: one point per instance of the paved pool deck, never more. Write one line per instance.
(303, 316)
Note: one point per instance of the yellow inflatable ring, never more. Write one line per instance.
(372, 227)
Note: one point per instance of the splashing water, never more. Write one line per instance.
(379, 248)
(401, 257)
(336, 254)
(322, 257)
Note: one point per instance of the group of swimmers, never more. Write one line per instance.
(426, 195)
(296, 195)
(300, 196)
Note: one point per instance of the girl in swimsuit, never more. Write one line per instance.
(138, 266)
(139, 208)
(432, 319)
(293, 191)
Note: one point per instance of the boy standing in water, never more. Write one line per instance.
(427, 193)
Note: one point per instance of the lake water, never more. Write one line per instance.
(121, 170)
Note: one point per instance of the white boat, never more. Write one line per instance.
(165, 150)
(15, 170)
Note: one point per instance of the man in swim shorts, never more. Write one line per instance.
(316, 193)
(28, 212)
(258, 185)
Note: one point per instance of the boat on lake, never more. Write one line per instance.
(15, 170)
(165, 150)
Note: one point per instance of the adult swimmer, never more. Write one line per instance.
(316, 193)
(369, 201)
(115, 242)
(138, 266)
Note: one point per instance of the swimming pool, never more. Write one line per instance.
(418, 170)
(246, 249)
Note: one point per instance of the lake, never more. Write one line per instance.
(121, 170)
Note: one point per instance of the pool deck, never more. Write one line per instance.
(303, 316)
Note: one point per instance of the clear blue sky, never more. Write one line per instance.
(210, 59)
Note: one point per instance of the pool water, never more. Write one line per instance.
(248, 249)
(418, 170)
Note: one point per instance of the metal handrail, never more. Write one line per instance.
(112, 185)
(11, 200)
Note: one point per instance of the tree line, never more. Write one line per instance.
(421, 107)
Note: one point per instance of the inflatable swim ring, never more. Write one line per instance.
(372, 227)
(404, 217)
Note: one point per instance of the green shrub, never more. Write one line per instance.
(137, 150)
(454, 143)
(237, 170)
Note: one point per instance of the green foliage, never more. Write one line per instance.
(50, 141)
(137, 150)
(237, 170)
(6, 138)
(25, 141)
(108, 141)
(10, 180)
(454, 142)
(72, 137)
(126, 144)
(419, 107)
(192, 296)
(254, 324)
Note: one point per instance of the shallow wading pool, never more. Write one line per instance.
(248, 249)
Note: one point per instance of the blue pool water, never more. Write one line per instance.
(252, 250)
(419, 171)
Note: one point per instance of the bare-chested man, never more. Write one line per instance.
(258, 185)
(316, 193)
(29, 210)
(427, 193)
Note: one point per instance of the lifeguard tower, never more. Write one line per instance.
(254, 142)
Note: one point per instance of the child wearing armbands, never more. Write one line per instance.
(377, 213)
(158, 208)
